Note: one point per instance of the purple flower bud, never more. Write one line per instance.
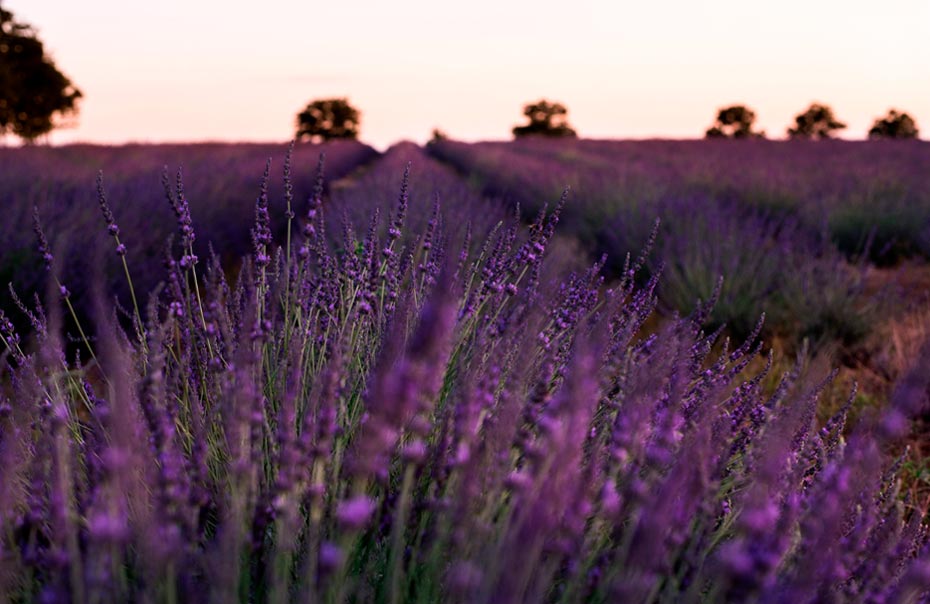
(518, 481)
(115, 459)
(354, 513)
(44, 248)
(107, 527)
(331, 557)
(610, 500)
(462, 454)
(760, 520)
(414, 452)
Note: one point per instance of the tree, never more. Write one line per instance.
(32, 90)
(734, 122)
(546, 119)
(895, 125)
(328, 119)
(817, 122)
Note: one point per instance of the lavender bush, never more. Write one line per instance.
(761, 264)
(413, 414)
(61, 183)
(775, 177)
(726, 209)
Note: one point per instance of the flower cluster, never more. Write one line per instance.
(479, 416)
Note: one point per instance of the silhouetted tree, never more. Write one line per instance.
(734, 122)
(32, 90)
(438, 135)
(817, 122)
(895, 125)
(327, 119)
(546, 119)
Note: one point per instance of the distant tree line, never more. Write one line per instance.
(33, 93)
(815, 122)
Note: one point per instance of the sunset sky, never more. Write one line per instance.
(191, 70)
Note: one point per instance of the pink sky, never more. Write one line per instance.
(189, 70)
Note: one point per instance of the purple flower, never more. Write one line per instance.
(261, 233)
(355, 512)
(331, 556)
(44, 249)
(414, 452)
(108, 217)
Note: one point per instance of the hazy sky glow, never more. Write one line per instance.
(189, 70)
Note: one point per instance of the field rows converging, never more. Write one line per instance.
(663, 338)
(433, 375)
(827, 239)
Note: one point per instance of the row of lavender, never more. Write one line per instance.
(60, 182)
(843, 187)
(419, 408)
(777, 219)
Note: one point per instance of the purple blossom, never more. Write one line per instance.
(355, 512)
(44, 249)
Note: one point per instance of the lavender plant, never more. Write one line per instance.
(727, 210)
(60, 182)
(416, 415)
(761, 264)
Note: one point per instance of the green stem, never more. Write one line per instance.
(395, 560)
(140, 332)
(80, 329)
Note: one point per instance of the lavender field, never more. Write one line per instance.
(725, 207)
(61, 183)
(700, 373)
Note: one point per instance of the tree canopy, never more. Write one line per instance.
(328, 119)
(32, 90)
(546, 119)
(734, 121)
(816, 122)
(896, 124)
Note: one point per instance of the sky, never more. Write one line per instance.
(194, 70)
